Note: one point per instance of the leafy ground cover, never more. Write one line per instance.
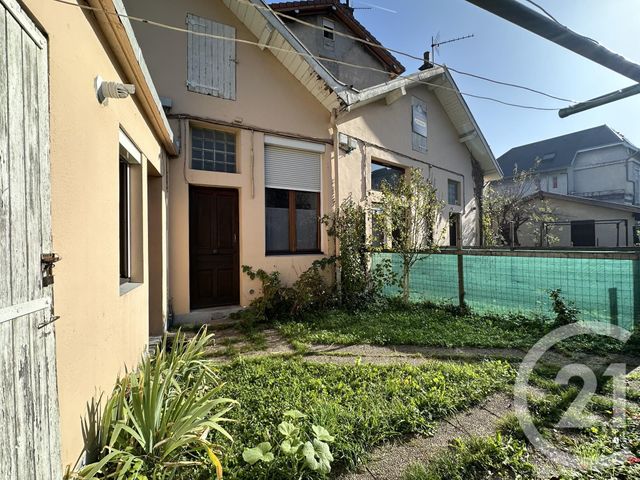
(435, 326)
(361, 405)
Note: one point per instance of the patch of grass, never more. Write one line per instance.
(361, 405)
(477, 459)
(424, 325)
(439, 326)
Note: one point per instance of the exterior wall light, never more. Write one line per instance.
(107, 90)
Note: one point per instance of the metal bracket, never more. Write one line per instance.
(51, 320)
(48, 261)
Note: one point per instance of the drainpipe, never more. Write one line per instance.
(336, 191)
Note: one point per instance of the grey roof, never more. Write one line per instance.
(587, 201)
(556, 153)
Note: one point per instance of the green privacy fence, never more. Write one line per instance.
(604, 285)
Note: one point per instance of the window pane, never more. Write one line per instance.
(454, 192)
(277, 220)
(307, 221)
(377, 230)
(213, 150)
(384, 173)
(124, 219)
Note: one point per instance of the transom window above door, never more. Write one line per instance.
(213, 150)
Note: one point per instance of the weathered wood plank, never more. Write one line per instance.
(230, 62)
(48, 332)
(24, 411)
(8, 465)
(25, 22)
(37, 351)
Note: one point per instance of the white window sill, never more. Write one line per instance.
(127, 287)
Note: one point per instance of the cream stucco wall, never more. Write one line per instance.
(268, 98)
(384, 134)
(100, 331)
(566, 211)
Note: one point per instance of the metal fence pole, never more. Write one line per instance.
(460, 256)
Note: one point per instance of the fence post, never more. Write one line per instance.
(636, 291)
(460, 257)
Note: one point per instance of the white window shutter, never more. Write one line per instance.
(292, 169)
(211, 62)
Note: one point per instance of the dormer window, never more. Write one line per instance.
(328, 33)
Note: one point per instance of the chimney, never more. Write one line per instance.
(427, 63)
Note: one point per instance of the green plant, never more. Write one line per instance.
(362, 405)
(476, 458)
(566, 312)
(309, 292)
(360, 283)
(160, 419)
(508, 205)
(302, 451)
(272, 302)
(408, 216)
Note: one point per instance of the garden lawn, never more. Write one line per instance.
(361, 405)
(433, 326)
(415, 325)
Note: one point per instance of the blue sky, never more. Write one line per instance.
(506, 52)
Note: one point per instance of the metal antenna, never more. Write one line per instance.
(436, 43)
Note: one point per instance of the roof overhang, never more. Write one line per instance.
(443, 86)
(294, 56)
(586, 201)
(119, 33)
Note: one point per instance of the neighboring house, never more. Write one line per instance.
(332, 18)
(596, 163)
(591, 181)
(583, 222)
(106, 220)
(262, 133)
(410, 123)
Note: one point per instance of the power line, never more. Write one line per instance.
(399, 52)
(306, 55)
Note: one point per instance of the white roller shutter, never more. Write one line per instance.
(292, 169)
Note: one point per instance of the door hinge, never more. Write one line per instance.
(48, 261)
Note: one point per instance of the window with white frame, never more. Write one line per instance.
(211, 60)
(292, 196)
(130, 211)
(213, 150)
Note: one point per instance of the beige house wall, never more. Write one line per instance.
(384, 134)
(100, 331)
(268, 98)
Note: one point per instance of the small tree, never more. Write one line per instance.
(360, 285)
(509, 205)
(409, 214)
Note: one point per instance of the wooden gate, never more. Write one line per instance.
(29, 421)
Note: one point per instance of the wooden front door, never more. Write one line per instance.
(29, 415)
(214, 255)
